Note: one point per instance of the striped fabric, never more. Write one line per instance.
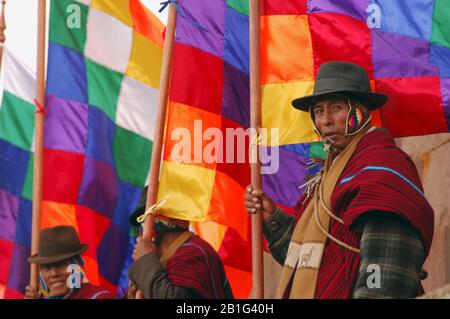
(386, 169)
(197, 266)
(371, 190)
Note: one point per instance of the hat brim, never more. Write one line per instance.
(36, 259)
(374, 100)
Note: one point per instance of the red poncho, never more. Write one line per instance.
(196, 265)
(378, 177)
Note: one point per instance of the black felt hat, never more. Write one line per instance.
(342, 78)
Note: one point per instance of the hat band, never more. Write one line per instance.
(336, 85)
(54, 249)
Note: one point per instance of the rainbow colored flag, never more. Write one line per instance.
(16, 174)
(210, 94)
(102, 87)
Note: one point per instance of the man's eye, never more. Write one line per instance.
(317, 111)
(336, 106)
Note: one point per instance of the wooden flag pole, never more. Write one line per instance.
(164, 86)
(38, 140)
(255, 123)
(2, 30)
(155, 164)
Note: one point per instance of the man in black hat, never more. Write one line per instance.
(363, 227)
(178, 264)
(60, 267)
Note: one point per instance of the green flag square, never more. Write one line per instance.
(132, 156)
(16, 121)
(27, 191)
(317, 150)
(239, 5)
(441, 23)
(103, 87)
(68, 20)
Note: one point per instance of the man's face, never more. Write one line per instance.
(55, 276)
(330, 116)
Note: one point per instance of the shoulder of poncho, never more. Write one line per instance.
(378, 148)
(195, 247)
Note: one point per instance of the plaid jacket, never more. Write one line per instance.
(392, 253)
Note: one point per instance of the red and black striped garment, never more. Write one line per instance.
(378, 177)
(197, 266)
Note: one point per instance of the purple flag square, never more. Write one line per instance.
(100, 136)
(199, 14)
(400, 56)
(283, 186)
(99, 187)
(19, 275)
(9, 209)
(111, 265)
(66, 125)
(236, 95)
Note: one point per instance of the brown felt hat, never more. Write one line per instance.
(57, 244)
(343, 78)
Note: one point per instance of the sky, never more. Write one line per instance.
(21, 26)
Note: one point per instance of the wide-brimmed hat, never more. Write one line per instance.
(342, 78)
(57, 244)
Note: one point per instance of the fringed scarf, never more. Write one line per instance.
(303, 260)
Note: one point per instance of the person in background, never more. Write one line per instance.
(61, 267)
(177, 265)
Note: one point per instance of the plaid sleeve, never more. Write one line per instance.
(392, 255)
(278, 232)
